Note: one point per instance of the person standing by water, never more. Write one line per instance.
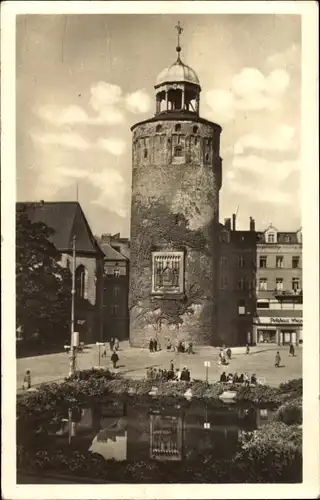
(277, 360)
(114, 359)
(27, 380)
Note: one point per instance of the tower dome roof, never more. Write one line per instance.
(178, 72)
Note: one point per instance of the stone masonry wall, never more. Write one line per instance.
(175, 205)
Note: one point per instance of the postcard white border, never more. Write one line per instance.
(310, 208)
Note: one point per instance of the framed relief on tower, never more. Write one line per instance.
(167, 273)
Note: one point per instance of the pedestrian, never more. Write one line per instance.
(246, 379)
(114, 359)
(151, 345)
(229, 353)
(223, 377)
(171, 369)
(111, 343)
(104, 351)
(241, 379)
(277, 360)
(27, 380)
(291, 350)
(235, 378)
(247, 349)
(230, 378)
(178, 374)
(169, 346)
(253, 379)
(155, 345)
(116, 345)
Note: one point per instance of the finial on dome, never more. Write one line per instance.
(179, 30)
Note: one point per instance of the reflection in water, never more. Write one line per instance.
(138, 431)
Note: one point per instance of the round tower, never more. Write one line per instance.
(176, 178)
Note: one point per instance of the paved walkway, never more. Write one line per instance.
(134, 362)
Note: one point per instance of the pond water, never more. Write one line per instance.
(141, 430)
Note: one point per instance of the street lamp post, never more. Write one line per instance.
(99, 344)
(73, 291)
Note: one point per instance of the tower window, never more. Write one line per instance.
(145, 153)
(177, 127)
(158, 128)
(195, 129)
(178, 152)
(207, 157)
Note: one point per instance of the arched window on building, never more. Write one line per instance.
(178, 152)
(81, 282)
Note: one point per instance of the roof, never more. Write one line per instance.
(178, 72)
(110, 253)
(287, 237)
(67, 219)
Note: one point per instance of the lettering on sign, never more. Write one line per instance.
(286, 320)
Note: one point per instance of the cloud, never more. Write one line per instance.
(282, 139)
(267, 171)
(250, 91)
(138, 102)
(70, 140)
(115, 146)
(62, 116)
(113, 191)
(289, 58)
(104, 94)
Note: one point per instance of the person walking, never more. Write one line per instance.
(247, 349)
(277, 360)
(171, 369)
(223, 377)
(291, 350)
(116, 345)
(27, 380)
(229, 353)
(151, 345)
(114, 359)
(111, 343)
(155, 345)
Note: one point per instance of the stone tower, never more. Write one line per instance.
(176, 178)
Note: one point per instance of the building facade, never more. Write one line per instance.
(176, 178)
(115, 287)
(279, 287)
(237, 270)
(68, 220)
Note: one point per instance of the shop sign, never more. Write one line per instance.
(279, 320)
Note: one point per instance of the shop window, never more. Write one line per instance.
(241, 307)
(263, 304)
(295, 262)
(279, 261)
(267, 336)
(167, 272)
(295, 284)
(263, 284)
(241, 262)
(263, 262)
(81, 282)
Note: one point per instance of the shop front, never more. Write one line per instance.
(277, 330)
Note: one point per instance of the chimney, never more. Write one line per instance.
(252, 224)
(227, 224)
(233, 222)
(106, 238)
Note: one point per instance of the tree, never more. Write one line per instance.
(43, 286)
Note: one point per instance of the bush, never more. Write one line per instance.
(290, 413)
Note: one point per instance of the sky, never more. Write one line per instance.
(83, 80)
